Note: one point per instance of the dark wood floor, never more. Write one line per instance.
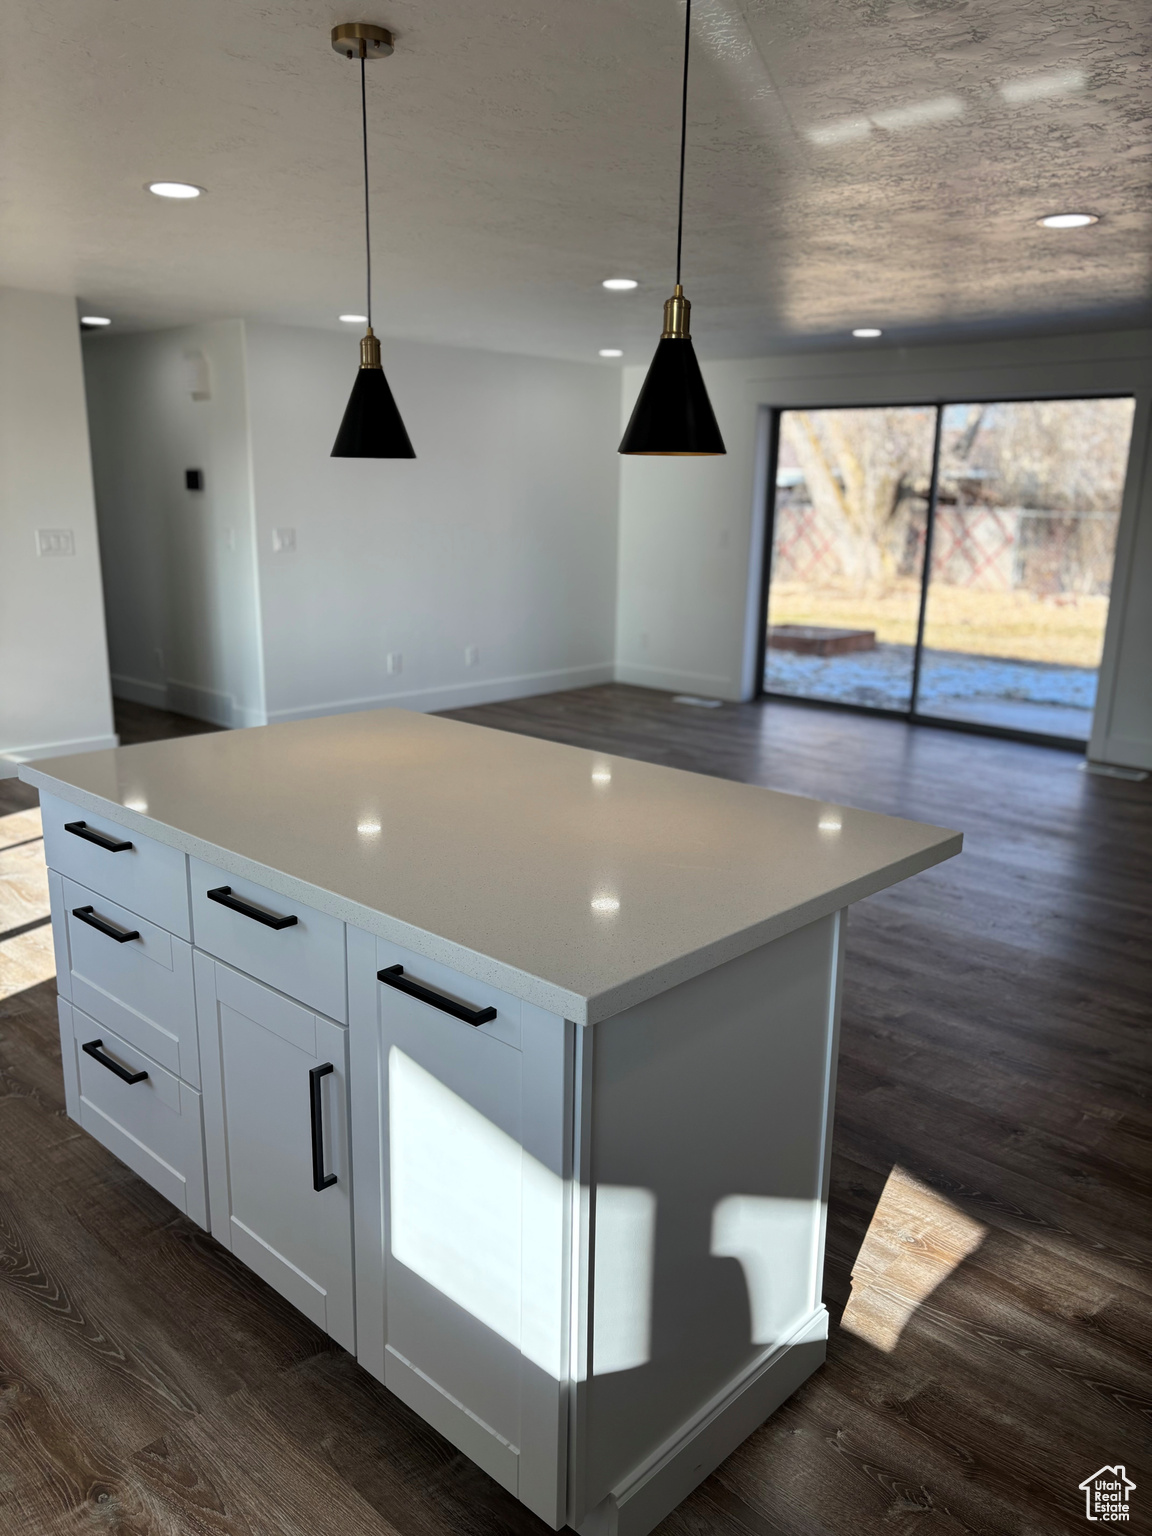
(989, 1257)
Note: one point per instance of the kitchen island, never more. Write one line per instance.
(510, 1064)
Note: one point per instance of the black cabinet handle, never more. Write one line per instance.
(320, 1179)
(113, 930)
(101, 839)
(93, 1049)
(393, 976)
(223, 894)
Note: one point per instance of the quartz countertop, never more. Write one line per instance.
(576, 880)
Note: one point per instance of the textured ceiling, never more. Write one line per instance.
(850, 162)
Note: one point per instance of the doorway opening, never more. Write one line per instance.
(946, 562)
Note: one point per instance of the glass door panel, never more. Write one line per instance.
(850, 513)
(1023, 543)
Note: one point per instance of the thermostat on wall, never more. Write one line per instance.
(193, 479)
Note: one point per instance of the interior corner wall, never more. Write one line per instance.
(54, 694)
(179, 564)
(692, 530)
(485, 567)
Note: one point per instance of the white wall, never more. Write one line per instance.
(691, 530)
(54, 695)
(179, 565)
(501, 534)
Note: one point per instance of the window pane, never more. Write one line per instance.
(847, 553)
(1022, 553)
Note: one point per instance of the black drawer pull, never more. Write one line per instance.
(101, 839)
(320, 1179)
(223, 894)
(393, 976)
(93, 1049)
(113, 930)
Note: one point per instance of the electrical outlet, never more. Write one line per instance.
(283, 541)
(471, 655)
(159, 654)
(55, 541)
(230, 540)
(394, 661)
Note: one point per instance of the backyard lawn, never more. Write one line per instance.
(1066, 629)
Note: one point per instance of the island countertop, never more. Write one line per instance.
(577, 880)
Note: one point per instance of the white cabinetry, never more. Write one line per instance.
(289, 945)
(591, 1256)
(462, 1211)
(275, 1109)
(147, 1021)
(145, 1115)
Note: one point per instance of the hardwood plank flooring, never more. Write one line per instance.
(989, 1266)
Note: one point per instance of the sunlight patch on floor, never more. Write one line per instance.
(915, 1240)
(26, 957)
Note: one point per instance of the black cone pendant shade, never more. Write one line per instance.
(673, 415)
(372, 427)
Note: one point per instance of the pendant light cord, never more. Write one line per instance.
(367, 223)
(683, 134)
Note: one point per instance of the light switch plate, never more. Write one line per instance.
(283, 541)
(55, 541)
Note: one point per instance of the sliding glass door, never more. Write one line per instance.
(947, 562)
(852, 492)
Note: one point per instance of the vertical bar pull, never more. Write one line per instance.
(320, 1179)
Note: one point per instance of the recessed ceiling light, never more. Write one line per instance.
(611, 352)
(620, 284)
(1068, 220)
(354, 319)
(867, 332)
(175, 189)
(95, 320)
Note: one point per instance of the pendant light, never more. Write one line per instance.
(372, 428)
(673, 414)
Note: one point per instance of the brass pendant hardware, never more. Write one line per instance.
(369, 349)
(677, 311)
(362, 40)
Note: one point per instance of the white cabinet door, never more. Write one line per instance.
(275, 1082)
(460, 1137)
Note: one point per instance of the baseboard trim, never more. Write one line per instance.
(136, 691)
(652, 1490)
(20, 755)
(669, 681)
(458, 695)
(208, 704)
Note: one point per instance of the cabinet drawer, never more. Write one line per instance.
(305, 959)
(449, 986)
(153, 1125)
(147, 877)
(141, 988)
